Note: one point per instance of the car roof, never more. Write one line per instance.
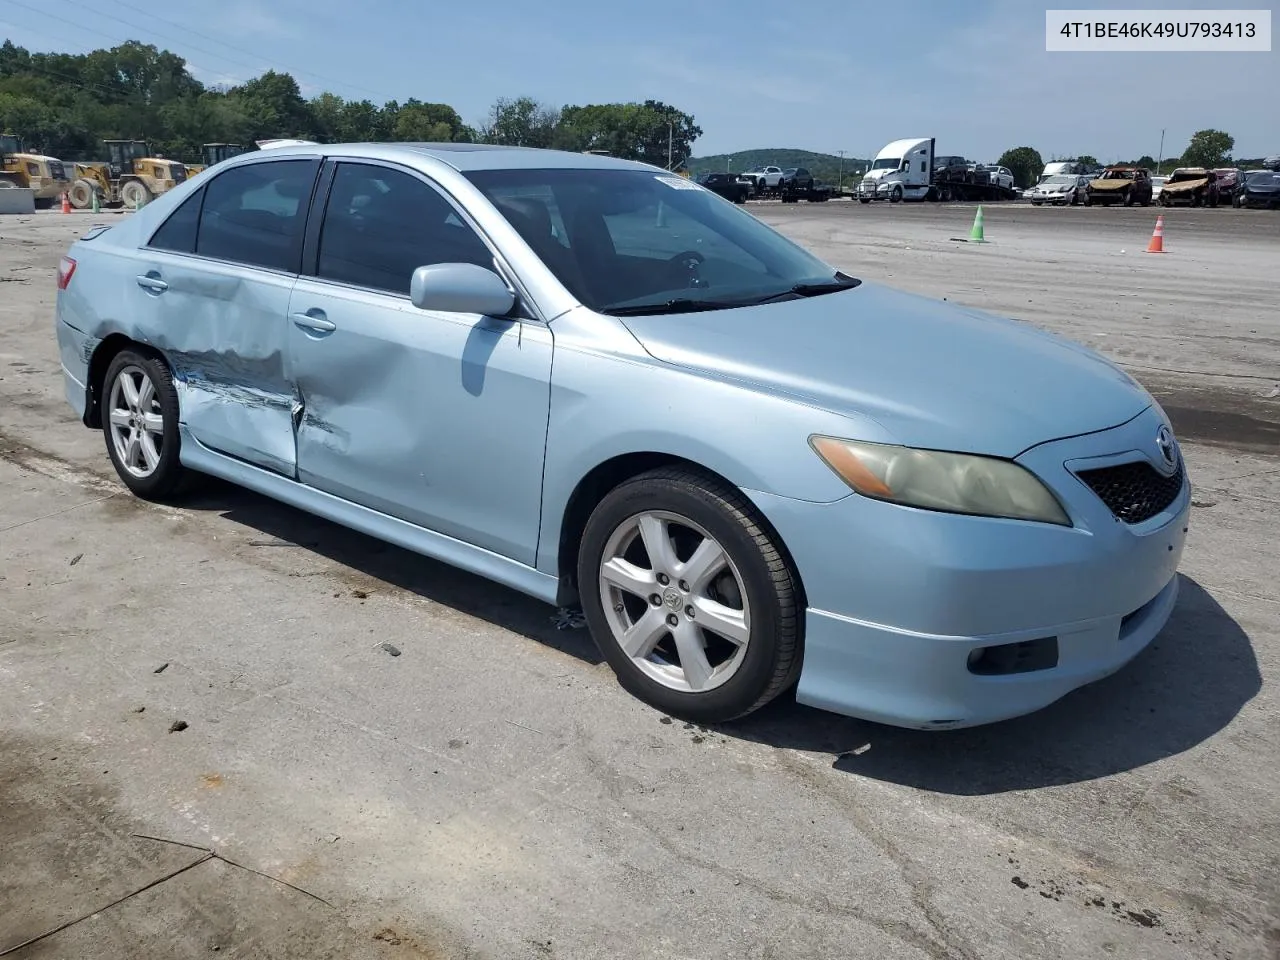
(463, 157)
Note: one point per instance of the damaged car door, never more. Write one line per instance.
(213, 290)
(433, 417)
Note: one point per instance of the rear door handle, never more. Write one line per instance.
(154, 284)
(314, 320)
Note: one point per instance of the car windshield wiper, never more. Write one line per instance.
(678, 305)
(807, 290)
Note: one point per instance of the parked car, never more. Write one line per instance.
(478, 353)
(728, 185)
(1064, 189)
(1261, 189)
(1157, 184)
(1120, 184)
(1194, 186)
(1230, 181)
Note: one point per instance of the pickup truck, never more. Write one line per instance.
(729, 185)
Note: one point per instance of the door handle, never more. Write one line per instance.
(154, 284)
(315, 321)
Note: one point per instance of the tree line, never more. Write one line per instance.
(65, 105)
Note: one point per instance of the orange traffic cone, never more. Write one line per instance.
(1157, 237)
(66, 203)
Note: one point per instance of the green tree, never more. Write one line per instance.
(1024, 163)
(522, 122)
(1085, 158)
(1208, 148)
(274, 106)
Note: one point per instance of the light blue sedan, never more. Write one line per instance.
(601, 384)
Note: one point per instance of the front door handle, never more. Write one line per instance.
(314, 321)
(152, 283)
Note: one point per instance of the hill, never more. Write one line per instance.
(824, 166)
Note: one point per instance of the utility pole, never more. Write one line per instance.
(1160, 158)
(841, 152)
(670, 137)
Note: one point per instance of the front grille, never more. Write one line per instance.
(1134, 492)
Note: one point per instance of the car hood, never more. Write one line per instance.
(929, 373)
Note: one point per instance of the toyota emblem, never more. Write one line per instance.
(1168, 447)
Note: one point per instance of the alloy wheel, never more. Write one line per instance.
(674, 601)
(136, 421)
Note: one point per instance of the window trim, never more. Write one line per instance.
(150, 244)
(305, 203)
(525, 309)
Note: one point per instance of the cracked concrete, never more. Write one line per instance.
(492, 793)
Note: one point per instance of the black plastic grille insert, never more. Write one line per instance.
(1136, 491)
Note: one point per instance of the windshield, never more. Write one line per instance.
(887, 163)
(1060, 179)
(1263, 179)
(635, 240)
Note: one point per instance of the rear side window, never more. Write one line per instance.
(380, 225)
(178, 233)
(255, 214)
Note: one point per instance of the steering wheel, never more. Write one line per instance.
(686, 258)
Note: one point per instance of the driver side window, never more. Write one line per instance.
(381, 224)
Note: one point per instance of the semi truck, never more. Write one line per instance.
(910, 170)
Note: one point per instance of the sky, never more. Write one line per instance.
(821, 75)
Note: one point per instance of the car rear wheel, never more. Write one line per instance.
(688, 598)
(140, 423)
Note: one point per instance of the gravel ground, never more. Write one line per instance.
(490, 792)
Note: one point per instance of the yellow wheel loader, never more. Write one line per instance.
(45, 176)
(138, 177)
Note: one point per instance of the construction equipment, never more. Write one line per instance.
(137, 176)
(130, 176)
(213, 153)
(45, 176)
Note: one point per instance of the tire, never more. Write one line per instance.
(864, 199)
(1237, 202)
(1128, 198)
(81, 194)
(729, 679)
(895, 196)
(135, 194)
(160, 479)
(44, 203)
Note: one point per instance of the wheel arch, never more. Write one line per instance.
(100, 361)
(607, 476)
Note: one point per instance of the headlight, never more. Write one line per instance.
(950, 482)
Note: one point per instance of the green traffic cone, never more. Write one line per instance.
(975, 235)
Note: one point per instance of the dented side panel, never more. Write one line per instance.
(437, 419)
(223, 328)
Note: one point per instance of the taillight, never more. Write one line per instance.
(66, 267)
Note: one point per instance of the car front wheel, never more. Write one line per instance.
(689, 599)
(140, 422)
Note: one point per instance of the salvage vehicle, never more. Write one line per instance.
(728, 185)
(600, 384)
(1061, 189)
(1230, 181)
(1194, 186)
(1261, 189)
(1121, 184)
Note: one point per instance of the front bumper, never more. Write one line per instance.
(899, 598)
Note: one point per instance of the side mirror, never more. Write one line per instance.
(460, 288)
